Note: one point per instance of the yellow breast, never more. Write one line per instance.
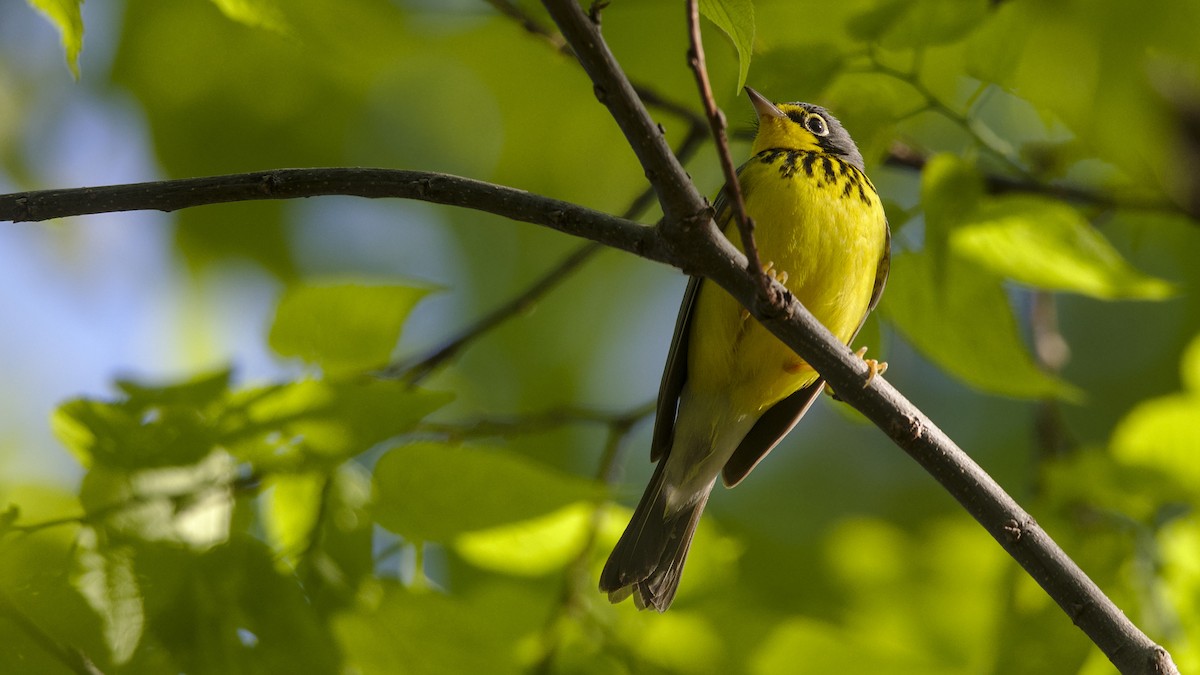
(818, 219)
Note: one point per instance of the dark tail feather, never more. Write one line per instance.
(648, 559)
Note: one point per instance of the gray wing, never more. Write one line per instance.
(783, 416)
(674, 375)
(675, 371)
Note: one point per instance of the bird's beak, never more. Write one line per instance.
(762, 106)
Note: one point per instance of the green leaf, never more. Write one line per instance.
(342, 327)
(293, 510)
(871, 24)
(66, 17)
(1190, 366)
(231, 610)
(198, 392)
(431, 634)
(1047, 244)
(431, 491)
(188, 505)
(965, 325)
(736, 18)
(105, 577)
(119, 435)
(1162, 433)
(257, 13)
(951, 188)
(318, 423)
(908, 24)
(530, 547)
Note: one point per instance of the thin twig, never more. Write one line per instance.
(716, 120)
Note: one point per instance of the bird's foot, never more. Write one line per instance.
(873, 367)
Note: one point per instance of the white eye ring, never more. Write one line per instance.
(816, 124)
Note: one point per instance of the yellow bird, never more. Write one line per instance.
(731, 390)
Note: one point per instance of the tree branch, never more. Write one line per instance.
(439, 188)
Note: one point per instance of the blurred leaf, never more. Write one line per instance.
(531, 547)
(189, 505)
(258, 13)
(197, 392)
(129, 436)
(736, 18)
(870, 24)
(318, 423)
(679, 641)
(951, 188)
(229, 610)
(1162, 433)
(66, 17)
(994, 50)
(105, 576)
(1190, 366)
(965, 325)
(341, 558)
(429, 633)
(789, 72)
(342, 327)
(1046, 244)
(908, 24)
(826, 648)
(294, 503)
(35, 574)
(431, 491)
(150, 426)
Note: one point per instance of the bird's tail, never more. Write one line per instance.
(648, 559)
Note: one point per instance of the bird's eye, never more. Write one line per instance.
(816, 124)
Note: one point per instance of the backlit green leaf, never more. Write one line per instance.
(736, 18)
(1047, 244)
(105, 577)
(966, 326)
(1163, 432)
(432, 491)
(293, 508)
(66, 17)
(907, 24)
(258, 13)
(530, 547)
(432, 634)
(342, 327)
(316, 422)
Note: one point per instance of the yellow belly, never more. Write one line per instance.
(828, 238)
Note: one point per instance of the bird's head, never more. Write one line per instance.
(801, 126)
